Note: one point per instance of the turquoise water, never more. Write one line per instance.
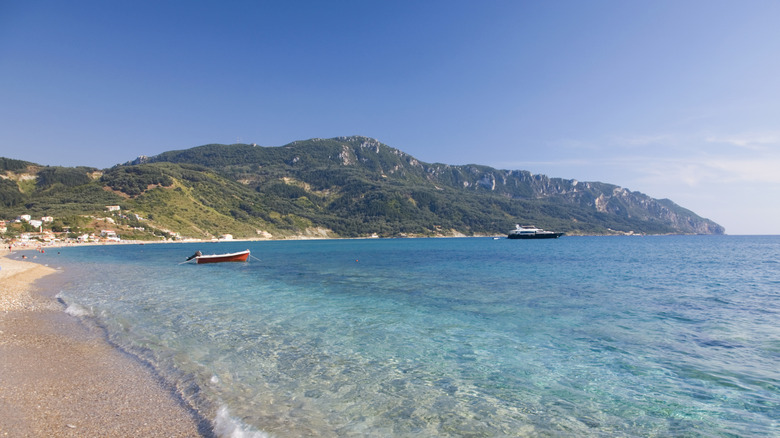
(580, 336)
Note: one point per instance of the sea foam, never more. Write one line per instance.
(73, 309)
(76, 310)
(226, 426)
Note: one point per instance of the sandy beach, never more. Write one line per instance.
(60, 378)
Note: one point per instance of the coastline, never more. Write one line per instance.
(60, 378)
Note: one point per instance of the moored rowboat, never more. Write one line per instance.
(241, 256)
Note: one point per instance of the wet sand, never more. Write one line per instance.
(60, 378)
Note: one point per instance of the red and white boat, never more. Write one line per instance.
(199, 258)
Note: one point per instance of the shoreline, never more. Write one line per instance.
(37, 245)
(61, 378)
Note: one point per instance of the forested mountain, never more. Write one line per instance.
(341, 187)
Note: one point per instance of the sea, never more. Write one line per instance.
(629, 336)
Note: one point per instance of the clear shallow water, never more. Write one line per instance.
(580, 336)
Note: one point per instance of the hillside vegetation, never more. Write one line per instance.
(341, 187)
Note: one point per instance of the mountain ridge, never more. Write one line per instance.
(352, 187)
(515, 184)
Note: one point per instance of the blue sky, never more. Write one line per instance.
(675, 99)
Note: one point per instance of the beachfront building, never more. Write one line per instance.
(48, 237)
(113, 208)
(24, 217)
(109, 235)
(47, 219)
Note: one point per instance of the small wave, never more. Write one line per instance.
(226, 426)
(71, 308)
(77, 310)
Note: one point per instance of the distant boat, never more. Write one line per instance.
(531, 232)
(199, 258)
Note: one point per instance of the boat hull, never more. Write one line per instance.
(536, 236)
(221, 258)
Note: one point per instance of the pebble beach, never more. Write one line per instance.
(60, 378)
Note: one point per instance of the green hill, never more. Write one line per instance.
(341, 187)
